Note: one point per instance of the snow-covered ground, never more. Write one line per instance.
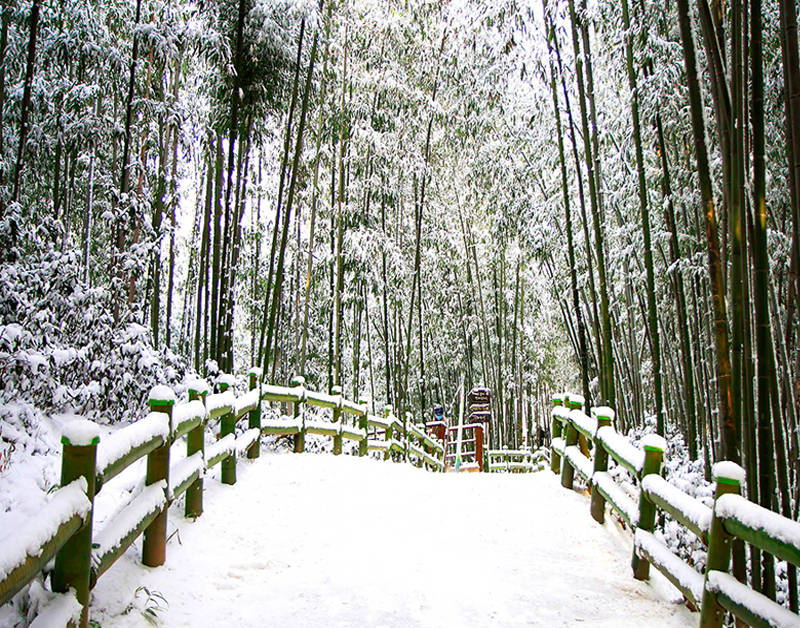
(316, 540)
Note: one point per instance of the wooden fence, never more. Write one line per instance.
(507, 460)
(64, 528)
(713, 592)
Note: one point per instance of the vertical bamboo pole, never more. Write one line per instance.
(227, 425)
(74, 560)
(154, 546)
(195, 441)
(254, 418)
(605, 417)
(728, 476)
(654, 448)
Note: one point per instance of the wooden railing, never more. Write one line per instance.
(713, 592)
(472, 451)
(515, 460)
(64, 528)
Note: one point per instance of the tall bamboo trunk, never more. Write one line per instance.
(582, 345)
(680, 298)
(655, 337)
(25, 107)
(766, 364)
(581, 333)
(605, 358)
(315, 195)
(723, 364)
(266, 341)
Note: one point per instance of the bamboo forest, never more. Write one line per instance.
(400, 201)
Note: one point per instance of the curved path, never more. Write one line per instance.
(313, 540)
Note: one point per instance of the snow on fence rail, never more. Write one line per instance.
(713, 592)
(472, 452)
(515, 460)
(63, 529)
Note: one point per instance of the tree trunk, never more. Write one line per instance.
(267, 332)
(315, 196)
(584, 361)
(766, 364)
(582, 348)
(26, 104)
(723, 365)
(680, 298)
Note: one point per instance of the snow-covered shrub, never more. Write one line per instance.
(60, 349)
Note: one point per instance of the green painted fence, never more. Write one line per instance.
(64, 529)
(713, 592)
(507, 460)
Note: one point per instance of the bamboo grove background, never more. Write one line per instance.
(390, 196)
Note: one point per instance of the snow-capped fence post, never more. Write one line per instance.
(728, 477)
(254, 417)
(654, 448)
(227, 425)
(570, 439)
(195, 441)
(154, 546)
(555, 458)
(298, 381)
(605, 417)
(74, 561)
(337, 418)
(363, 425)
(388, 434)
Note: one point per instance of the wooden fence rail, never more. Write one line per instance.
(713, 592)
(64, 528)
(515, 460)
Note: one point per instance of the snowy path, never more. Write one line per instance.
(313, 540)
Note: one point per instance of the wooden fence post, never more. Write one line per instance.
(605, 417)
(389, 432)
(570, 439)
(227, 425)
(337, 418)
(654, 448)
(154, 546)
(479, 448)
(298, 381)
(74, 560)
(558, 432)
(195, 441)
(254, 417)
(408, 419)
(729, 477)
(555, 458)
(363, 424)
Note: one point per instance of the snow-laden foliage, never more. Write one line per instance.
(60, 350)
